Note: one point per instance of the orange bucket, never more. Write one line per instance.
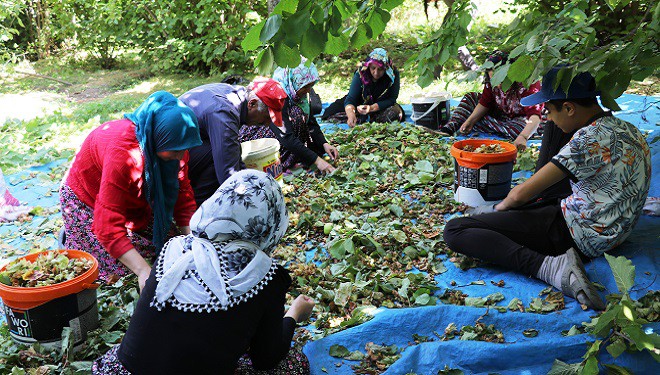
(476, 160)
(28, 298)
(482, 178)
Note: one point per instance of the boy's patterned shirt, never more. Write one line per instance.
(609, 163)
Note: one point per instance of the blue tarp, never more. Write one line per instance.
(519, 354)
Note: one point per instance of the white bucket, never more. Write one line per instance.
(263, 155)
(430, 109)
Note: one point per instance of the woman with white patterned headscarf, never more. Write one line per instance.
(216, 294)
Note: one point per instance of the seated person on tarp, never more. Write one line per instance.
(373, 94)
(221, 110)
(216, 294)
(301, 138)
(10, 207)
(495, 111)
(127, 183)
(608, 162)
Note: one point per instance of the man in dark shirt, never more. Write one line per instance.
(221, 110)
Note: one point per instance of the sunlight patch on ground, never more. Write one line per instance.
(28, 106)
(145, 87)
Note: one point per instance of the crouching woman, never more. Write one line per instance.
(214, 302)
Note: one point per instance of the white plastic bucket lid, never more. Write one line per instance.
(259, 148)
(431, 97)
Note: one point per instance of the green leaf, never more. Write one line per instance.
(424, 166)
(426, 78)
(403, 291)
(517, 51)
(288, 6)
(531, 332)
(270, 28)
(513, 305)
(337, 249)
(252, 41)
(336, 44)
(617, 370)
(521, 69)
(531, 43)
(399, 236)
(264, 61)
(355, 355)
(396, 210)
(608, 100)
(640, 338)
(475, 301)
(286, 56)
(339, 351)
(623, 271)
(360, 36)
(313, 43)
(349, 245)
(499, 75)
(616, 347)
(422, 299)
(590, 366)
(562, 368)
(343, 294)
(377, 21)
(390, 4)
(604, 323)
(296, 25)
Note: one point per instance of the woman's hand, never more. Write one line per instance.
(301, 308)
(520, 142)
(331, 150)
(136, 263)
(352, 119)
(363, 109)
(350, 114)
(324, 166)
(142, 278)
(467, 126)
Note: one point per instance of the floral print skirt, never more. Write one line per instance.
(78, 218)
(295, 363)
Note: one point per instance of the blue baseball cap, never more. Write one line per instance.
(582, 86)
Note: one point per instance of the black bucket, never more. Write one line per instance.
(44, 323)
(430, 112)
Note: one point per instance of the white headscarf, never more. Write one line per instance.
(226, 259)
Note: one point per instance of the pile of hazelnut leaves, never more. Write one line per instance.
(366, 226)
(356, 241)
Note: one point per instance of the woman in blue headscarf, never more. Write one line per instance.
(373, 93)
(301, 138)
(127, 185)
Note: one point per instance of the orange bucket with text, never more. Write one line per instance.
(39, 314)
(482, 178)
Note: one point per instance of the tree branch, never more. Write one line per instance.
(44, 77)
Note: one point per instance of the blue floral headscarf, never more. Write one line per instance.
(293, 79)
(163, 123)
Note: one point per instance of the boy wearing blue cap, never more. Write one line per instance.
(608, 163)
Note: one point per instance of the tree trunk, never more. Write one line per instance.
(271, 5)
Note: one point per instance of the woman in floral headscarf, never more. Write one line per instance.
(216, 294)
(373, 93)
(496, 111)
(301, 138)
